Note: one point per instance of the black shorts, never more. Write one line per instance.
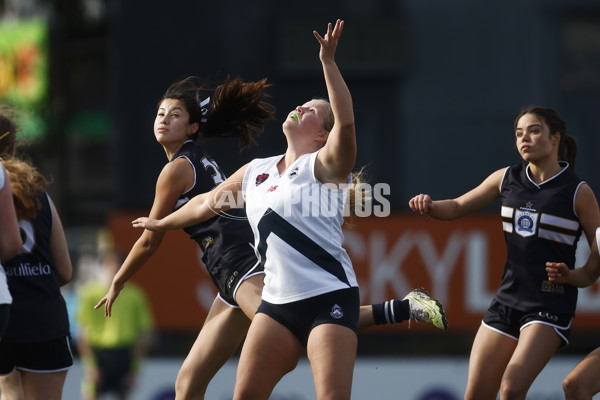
(509, 321)
(51, 356)
(234, 267)
(4, 316)
(114, 366)
(339, 307)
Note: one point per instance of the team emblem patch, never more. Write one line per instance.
(261, 178)
(336, 312)
(526, 223)
(293, 173)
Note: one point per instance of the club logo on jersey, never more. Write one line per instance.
(207, 242)
(293, 173)
(261, 178)
(336, 312)
(552, 287)
(526, 222)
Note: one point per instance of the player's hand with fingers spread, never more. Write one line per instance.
(109, 299)
(557, 272)
(147, 223)
(330, 41)
(421, 203)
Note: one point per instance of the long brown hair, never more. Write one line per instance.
(234, 109)
(27, 186)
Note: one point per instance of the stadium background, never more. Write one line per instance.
(436, 86)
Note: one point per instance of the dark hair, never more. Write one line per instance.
(236, 108)
(567, 146)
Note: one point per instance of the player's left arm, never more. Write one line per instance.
(336, 159)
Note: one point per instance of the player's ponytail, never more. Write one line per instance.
(234, 109)
(238, 109)
(567, 149)
(358, 196)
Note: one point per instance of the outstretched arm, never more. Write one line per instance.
(200, 208)
(482, 195)
(336, 160)
(173, 180)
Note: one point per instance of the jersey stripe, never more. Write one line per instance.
(271, 222)
(557, 237)
(559, 222)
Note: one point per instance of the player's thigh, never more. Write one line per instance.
(269, 352)
(331, 351)
(43, 386)
(490, 354)
(536, 346)
(248, 295)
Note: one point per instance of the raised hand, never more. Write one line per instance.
(330, 41)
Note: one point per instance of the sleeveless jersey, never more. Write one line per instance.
(297, 222)
(223, 233)
(38, 312)
(540, 225)
(5, 297)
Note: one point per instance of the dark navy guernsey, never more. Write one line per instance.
(223, 233)
(38, 312)
(540, 225)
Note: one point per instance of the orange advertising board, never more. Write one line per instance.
(459, 262)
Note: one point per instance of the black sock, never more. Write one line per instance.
(392, 311)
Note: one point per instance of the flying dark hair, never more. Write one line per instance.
(234, 109)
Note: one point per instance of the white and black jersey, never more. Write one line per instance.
(38, 312)
(540, 225)
(226, 239)
(296, 222)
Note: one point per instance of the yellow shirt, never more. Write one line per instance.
(131, 315)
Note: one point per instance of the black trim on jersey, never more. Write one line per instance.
(271, 222)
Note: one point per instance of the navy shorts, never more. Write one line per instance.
(509, 321)
(114, 366)
(339, 307)
(4, 316)
(232, 269)
(51, 356)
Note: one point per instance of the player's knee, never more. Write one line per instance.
(510, 389)
(188, 384)
(571, 386)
